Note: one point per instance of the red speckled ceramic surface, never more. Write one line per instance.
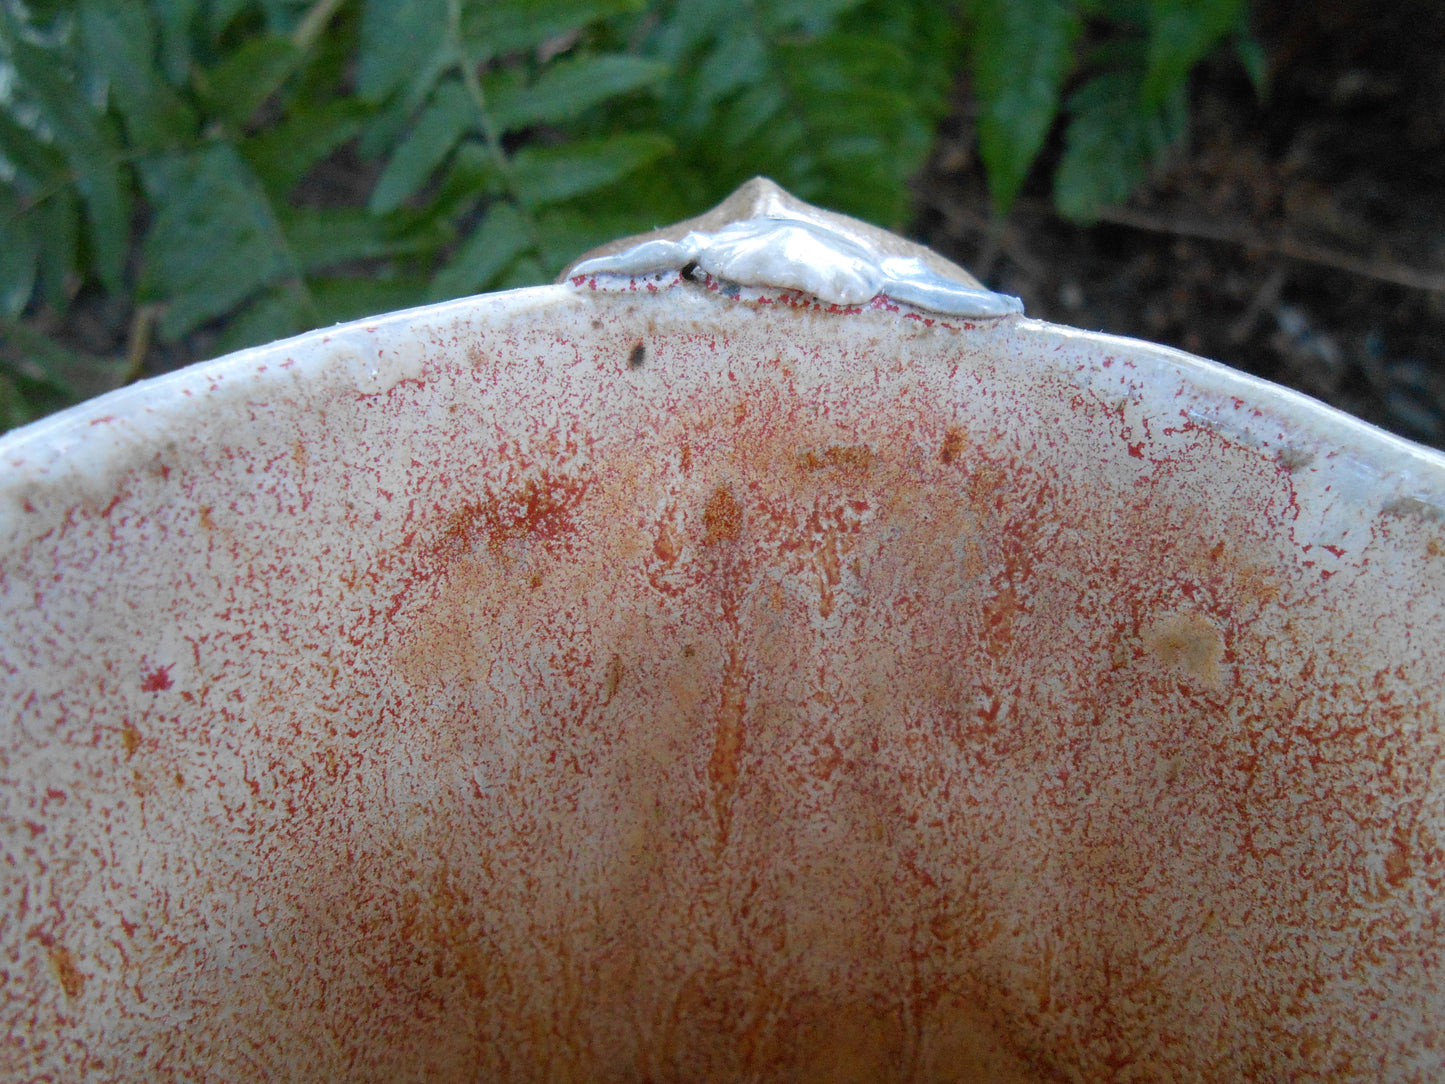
(649, 684)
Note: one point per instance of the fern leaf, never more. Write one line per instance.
(1112, 143)
(552, 174)
(116, 36)
(398, 39)
(174, 19)
(320, 238)
(339, 299)
(809, 94)
(446, 119)
(493, 28)
(749, 113)
(528, 271)
(284, 154)
(219, 14)
(1022, 52)
(739, 60)
(569, 88)
(57, 224)
(500, 237)
(807, 16)
(396, 116)
(215, 239)
(19, 257)
(1251, 57)
(37, 359)
(1181, 34)
(567, 232)
(675, 38)
(37, 164)
(470, 177)
(276, 313)
(236, 87)
(87, 150)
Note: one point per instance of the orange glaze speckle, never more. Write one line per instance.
(823, 701)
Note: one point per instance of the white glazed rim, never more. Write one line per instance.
(79, 451)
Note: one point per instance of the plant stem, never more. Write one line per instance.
(491, 138)
(313, 22)
(139, 340)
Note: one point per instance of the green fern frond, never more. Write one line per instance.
(500, 138)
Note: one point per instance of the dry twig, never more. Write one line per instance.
(1163, 222)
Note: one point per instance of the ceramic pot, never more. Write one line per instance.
(763, 655)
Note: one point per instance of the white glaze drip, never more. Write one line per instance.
(784, 252)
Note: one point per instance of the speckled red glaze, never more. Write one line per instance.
(646, 685)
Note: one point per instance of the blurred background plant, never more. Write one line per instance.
(208, 174)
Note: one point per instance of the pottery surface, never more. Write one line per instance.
(657, 676)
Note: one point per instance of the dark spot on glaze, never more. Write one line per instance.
(1404, 507)
(1397, 862)
(668, 547)
(689, 271)
(615, 673)
(1190, 644)
(638, 355)
(856, 456)
(63, 964)
(159, 469)
(722, 518)
(952, 447)
(1293, 459)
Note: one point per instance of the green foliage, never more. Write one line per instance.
(1112, 142)
(87, 151)
(835, 101)
(1023, 51)
(1130, 108)
(183, 154)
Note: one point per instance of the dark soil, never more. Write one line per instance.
(1281, 240)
